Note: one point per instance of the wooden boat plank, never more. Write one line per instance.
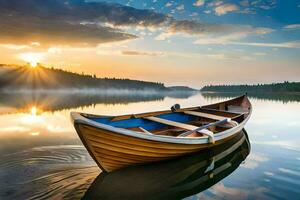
(205, 115)
(177, 124)
(117, 163)
(145, 131)
(140, 146)
(216, 123)
(125, 155)
(125, 159)
(111, 160)
(109, 166)
(222, 111)
(211, 116)
(121, 162)
(129, 151)
(136, 147)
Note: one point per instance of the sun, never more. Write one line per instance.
(33, 64)
(32, 58)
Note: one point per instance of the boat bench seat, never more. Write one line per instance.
(211, 136)
(225, 111)
(177, 124)
(191, 128)
(205, 115)
(209, 116)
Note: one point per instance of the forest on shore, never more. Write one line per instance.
(28, 78)
(285, 87)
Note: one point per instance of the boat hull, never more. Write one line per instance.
(174, 179)
(113, 151)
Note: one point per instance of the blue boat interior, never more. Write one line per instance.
(144, 123)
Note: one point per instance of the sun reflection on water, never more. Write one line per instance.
(33, 110)
(35, 133)
(33, 116)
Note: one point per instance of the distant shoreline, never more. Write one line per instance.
(279, 88)
(99, 91)
(260, 92)
(24, 78)
(280, 96)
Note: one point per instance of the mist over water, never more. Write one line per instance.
(53, 100)
(42, 156)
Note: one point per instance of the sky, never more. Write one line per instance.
(177, 42)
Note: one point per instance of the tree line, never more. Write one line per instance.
(24, 77)
(258, 88)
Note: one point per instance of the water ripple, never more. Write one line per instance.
(53, 172)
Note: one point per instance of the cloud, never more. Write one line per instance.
(32, 57)
(78, 23)
(218, 56)
(225, 8)
(289, 171)
(169, 4)
(180, 7)
(221, 191)
(57, 33)
(259, 54)
(194, 14)
(222, 56)
(292, 27)
(254, 160)
(264, 4)
(72, 22)
(141, 53)
(14, 129)
(199, 3)
(232, 35)
(287, 144)
(211, 33)
(197, 28)
(292, 44)
(54, 50)
(14, 47)
(244, 3)
(215, 3)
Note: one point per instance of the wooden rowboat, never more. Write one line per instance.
(118, 141)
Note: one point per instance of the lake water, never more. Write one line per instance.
(41, 156)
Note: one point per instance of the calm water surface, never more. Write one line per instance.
(41, 156)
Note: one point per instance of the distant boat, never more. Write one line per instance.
(173, 179)
(115, 142)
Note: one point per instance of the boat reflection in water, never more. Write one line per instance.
(173, 179)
